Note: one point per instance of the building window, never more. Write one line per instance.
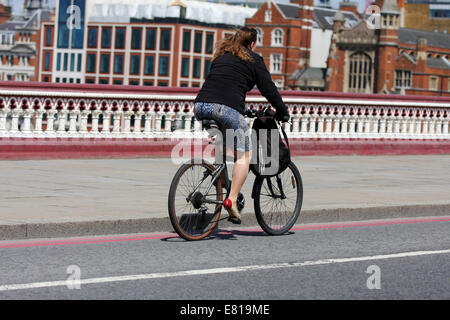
(360, 73)
(92, 37)
(277, 37)
(104, 63)
(275, 63)
(186, 40)
(90, 63)
(149, 65)
(148, 83)
(79, 62)
(47, 61)
(120, 38)
(259, 37)
(150, 39)
(118, 63)
(135, 64)
(117, 81)
(165, 40)
(196, 71)
(268, 16)
(403, 78)
(162, 84)
(133, 82)
(63, 30)
(185, 67)
(209, 43)
(136, 39)
(207, 67)
(66, 61)
(48, 36)
(198, 42)
(72, 62)
(433, 83)
(58, 61)
(106, 38)
(163, 66)
(103, 81)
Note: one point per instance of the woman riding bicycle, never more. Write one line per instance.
(235, 70)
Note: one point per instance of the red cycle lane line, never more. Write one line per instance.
(336, 225)
(333, 225)
(84, 241)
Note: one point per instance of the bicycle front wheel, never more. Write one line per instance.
(278, 200)
(194, 209)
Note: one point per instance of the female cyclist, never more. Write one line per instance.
(235, 70)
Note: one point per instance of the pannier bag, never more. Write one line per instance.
(271, 155)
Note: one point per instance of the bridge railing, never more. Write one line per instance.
(38, 110)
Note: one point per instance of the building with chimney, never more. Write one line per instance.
(388, 58)
(294, 40)
(19, 40)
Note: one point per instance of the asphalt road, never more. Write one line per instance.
(389, 259)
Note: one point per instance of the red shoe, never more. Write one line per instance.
(235, 216)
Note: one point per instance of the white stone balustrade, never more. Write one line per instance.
(72, 114)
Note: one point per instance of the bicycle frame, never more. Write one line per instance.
(221, 169)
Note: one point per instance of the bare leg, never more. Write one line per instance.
(240, 173)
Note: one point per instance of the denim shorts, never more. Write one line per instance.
(228, 118)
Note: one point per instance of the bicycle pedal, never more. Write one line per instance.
(240, 202)
(234, 220)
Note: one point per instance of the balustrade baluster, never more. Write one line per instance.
(94, 128)
(106, 123)
(78, 116)
(14, 131)
(26, 130)
(3, 115)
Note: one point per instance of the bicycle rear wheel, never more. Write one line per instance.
(192, 217)
(278, 200)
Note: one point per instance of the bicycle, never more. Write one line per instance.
(196, 194)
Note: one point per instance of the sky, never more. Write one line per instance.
(17, 5)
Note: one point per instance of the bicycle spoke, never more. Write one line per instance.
(190, 188)
(278, 200)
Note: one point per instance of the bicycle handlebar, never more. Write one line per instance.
(266, 112)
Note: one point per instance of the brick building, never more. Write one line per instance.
(284, 36)
(294, 40)
(19, 40)
(428, 15)
(152, 42)
(389, 59)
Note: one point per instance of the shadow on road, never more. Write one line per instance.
(226, 235)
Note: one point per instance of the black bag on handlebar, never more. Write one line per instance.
(271, 156)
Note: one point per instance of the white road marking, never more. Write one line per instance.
(36, 285)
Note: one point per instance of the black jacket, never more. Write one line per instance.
(230, 79)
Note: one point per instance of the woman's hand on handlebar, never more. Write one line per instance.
(282, 116)
(266, 112)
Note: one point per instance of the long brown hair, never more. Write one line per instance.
(237, 44)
